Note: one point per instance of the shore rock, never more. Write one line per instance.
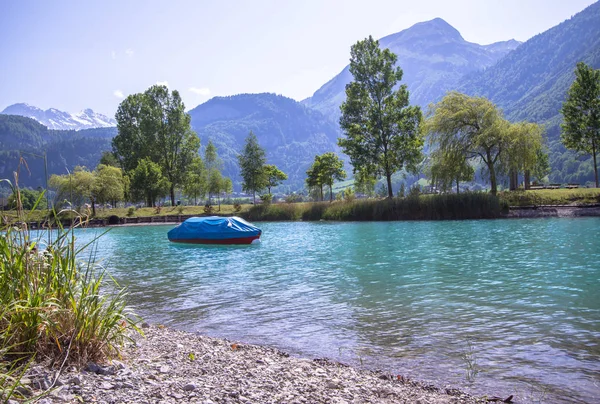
(170, 366)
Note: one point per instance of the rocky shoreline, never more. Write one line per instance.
(517, 212)
(171, 366)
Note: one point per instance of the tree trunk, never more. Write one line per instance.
(321, 192)
(595, 165)
(330, 193)
(219, 199)
(513, 179)
(172, 192)
(93, 207)
(490, 165)
(457, 187)
(254, 197)
(389, 185)
(527, 179)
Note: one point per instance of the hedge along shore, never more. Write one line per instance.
(171, 366)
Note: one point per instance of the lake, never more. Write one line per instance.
(493, 307)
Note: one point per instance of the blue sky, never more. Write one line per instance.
(72, 55)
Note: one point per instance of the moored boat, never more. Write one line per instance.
(215, 230)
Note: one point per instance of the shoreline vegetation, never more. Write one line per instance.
(468, 205)
(168, 366)
(66, 335)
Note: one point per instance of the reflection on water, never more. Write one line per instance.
(516, 301)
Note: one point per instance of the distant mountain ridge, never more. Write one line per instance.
(291, 133)
(531, 83)
(55, 119)
(433, 56)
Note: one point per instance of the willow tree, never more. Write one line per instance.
(153, 125)
(472, 126)
(523, 151)
(448, 166)
(581, 112)
(381, 129)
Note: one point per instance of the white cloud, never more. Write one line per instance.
(129, 52)
(200, 91)
(113, 55)
(118, 94)
(162, 83)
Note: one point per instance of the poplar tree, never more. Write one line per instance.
(581, 113)
(251, 161)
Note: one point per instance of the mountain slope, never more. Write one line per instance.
(290, 133)
(64, 149)
(55, 119)
(432, 54)
(531, 82)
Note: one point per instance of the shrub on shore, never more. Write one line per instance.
(270, 211)
(54, 305)
(415, 207)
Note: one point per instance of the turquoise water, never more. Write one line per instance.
(494, 307)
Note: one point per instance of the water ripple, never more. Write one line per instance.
(515, 300)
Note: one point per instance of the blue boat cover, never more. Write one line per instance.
(213, 228)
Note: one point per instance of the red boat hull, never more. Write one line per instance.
(228, 241)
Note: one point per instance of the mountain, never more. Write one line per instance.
(55, 119)
(22, 137)
(433, 56)
(531, 83)
(291, 133)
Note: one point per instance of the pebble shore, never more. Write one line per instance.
(171, 366)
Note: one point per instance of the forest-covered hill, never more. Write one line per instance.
(531, 83)
(65, 149)
(291, 133)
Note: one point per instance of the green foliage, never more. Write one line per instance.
(54, 305)
(109, 159)
(273, 211)
(252, 160)
(266, 198)
(326, 169)
(195, 183)
(148, 183)
(131, 211)
(348, 194)
(274, 176)
(381, 129)
(581, 111)
(290, 133)
(561, 196)
(471, 127)
(29, 200)
(109, 184)
(153, 125)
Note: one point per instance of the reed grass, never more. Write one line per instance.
(418, 207)
(273, 212)
(55, 304)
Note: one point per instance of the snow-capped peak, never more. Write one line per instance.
(56, 119)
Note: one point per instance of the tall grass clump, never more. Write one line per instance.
(271, 211)
(55, 304)
(423, 207)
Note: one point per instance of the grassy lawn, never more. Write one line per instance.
(39, 215)
(551, 196)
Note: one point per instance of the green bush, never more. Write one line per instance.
(131, 211)
(266, 212)
(53, 304)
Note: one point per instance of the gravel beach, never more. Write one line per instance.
(170, 366)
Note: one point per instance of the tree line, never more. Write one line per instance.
(156, 152)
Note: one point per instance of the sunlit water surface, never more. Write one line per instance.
(492, 307)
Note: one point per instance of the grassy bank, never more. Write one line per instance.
(424, 207)
(551, 196)
(54, 306)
